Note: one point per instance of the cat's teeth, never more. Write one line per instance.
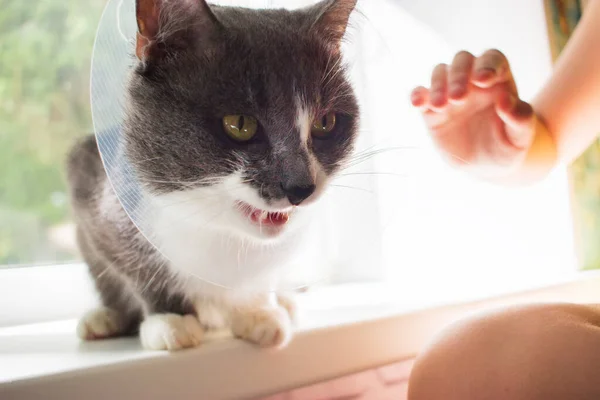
(263, 216)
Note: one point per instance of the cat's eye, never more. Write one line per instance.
(241, 128)
(324, 125)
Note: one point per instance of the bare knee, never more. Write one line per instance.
(518, 353)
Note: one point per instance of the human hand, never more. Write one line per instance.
(473, 112)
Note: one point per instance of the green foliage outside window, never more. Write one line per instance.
(45, 51)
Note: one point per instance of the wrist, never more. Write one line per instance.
(540, 159)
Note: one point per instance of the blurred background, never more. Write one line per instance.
(45, 49)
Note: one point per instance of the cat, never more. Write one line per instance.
(236, 120)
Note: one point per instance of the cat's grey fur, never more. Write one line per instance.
(206, 62)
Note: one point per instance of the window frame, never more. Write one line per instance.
(379, 335)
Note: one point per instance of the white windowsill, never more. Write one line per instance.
(47, 360)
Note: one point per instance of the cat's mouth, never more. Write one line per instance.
(264, 218)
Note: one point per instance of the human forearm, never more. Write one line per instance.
(569, 104)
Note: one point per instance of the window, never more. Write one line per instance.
(422, 228)
(442, 234)
(45, 50)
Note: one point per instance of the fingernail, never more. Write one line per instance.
(416, 98)
(457, 90)
(437, 99)
(485, 74)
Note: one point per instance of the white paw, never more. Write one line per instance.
(170, 332)
(100, 323)
(266, 327)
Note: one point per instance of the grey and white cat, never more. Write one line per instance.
(236, 119)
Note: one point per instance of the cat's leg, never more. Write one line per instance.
(165, 321)
(119, 313)
(262, 321)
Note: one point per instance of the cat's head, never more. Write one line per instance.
(239, 117)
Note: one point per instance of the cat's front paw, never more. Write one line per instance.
(100, 323)
(170, 332)
(267, 327)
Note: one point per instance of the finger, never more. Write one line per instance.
(420, 97)
(459, 75)
(491, 68)
(438, 96)
(519, 118)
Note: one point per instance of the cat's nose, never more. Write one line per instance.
(296, 194)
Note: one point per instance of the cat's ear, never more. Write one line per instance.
(331, 19)
(170, 24)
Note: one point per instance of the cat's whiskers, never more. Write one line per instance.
(333, 185)
(201, 198)
(239, 262)
(202, 184)
(199, 182)
(238, 164)
(328, 70)
(147, 160)
(374, 174)
(129, 258)
(101, 274)
(368, 154)
(159, 268)
(340, 179)
(241, 160)
(207, 181)
(338, 96)
(246, 247)
(162, 286)
(334, 71)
